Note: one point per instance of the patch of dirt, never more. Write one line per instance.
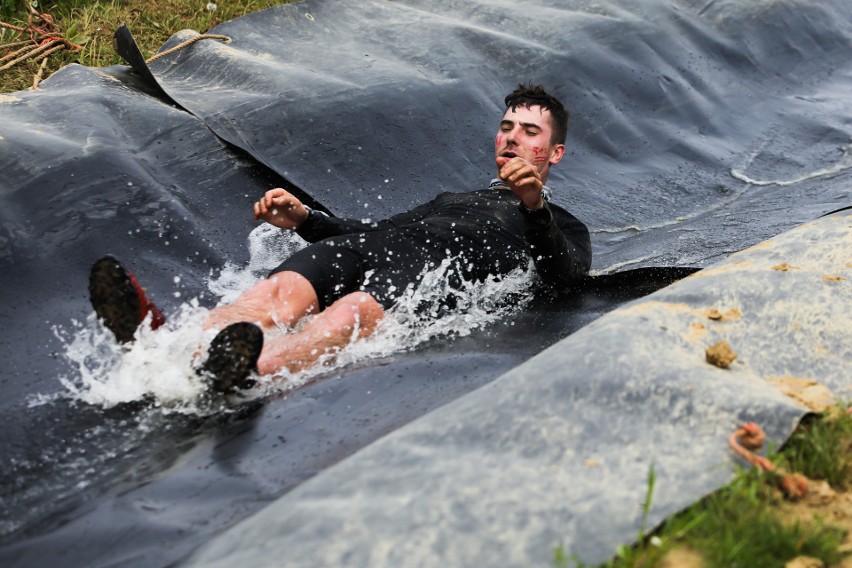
(720, 354)
(681, 557)
(805, 562)
(717, 315)
(697, 331)
(806, 392)
(784, 267)
(822, 503)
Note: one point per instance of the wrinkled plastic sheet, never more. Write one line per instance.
(698, 129)
(557, 451)
(694, 124)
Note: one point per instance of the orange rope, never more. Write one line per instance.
(750, 436)
(187, 43)
(45, 39)
(28, 47)
(39, 73)
(13, 44)
(37, 53)
(11, 27)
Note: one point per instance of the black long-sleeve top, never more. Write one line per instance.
(489, 229)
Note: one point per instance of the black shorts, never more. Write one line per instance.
(381, 263)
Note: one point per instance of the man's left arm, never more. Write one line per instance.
(559, 244)
(560, 248)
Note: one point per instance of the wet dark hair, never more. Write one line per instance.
(534, 95)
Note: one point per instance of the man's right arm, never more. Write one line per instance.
(282, 209)
(319, 226)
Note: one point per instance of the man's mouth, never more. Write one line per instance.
(508, 155)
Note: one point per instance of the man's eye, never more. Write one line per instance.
(531, 132)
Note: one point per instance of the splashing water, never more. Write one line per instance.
(423, 313)
(268, 247)
(158, 366)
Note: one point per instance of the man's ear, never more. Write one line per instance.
(556, 154)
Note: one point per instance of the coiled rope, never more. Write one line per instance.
(750, 436)
(45, 39)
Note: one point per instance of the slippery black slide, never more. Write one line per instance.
(698, 129)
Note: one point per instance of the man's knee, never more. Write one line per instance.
(366, 311)
(283, 298)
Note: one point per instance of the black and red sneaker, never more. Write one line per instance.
(119, 300)
(232, 356)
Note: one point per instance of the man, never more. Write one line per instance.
(354, 270)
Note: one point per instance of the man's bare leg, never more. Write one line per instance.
(354, 316)
(282, 299)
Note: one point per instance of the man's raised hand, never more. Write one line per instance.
(523, 179)
(281, 208)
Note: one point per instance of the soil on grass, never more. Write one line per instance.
(823, 505)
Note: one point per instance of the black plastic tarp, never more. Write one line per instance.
(698, 129)
(557, 452)
(675, 106)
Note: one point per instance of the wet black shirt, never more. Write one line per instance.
(489, 230)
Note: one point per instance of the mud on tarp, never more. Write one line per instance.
(699, 129)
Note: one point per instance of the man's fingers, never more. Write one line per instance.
(521, 173)
(529, 183)
(509, 172)
(516, 168)
(279, 207)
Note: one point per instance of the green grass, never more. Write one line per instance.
(739, 525)
(92, 23)
(822, 449)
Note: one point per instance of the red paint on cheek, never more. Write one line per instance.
(499, 140)
(539, 159)
(539, 151)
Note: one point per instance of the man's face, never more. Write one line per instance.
(526, 132)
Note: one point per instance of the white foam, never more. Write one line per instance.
(156, 366)
(268, 247)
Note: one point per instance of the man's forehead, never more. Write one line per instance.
(528, 114)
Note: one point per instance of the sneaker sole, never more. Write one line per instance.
(232, 356)
(114, 298)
